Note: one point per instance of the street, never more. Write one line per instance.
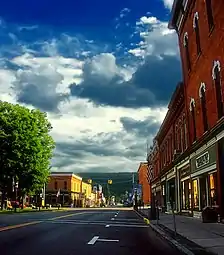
(79, 232)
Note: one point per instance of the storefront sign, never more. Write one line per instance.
(185, 171)
(204, 159)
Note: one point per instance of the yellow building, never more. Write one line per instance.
(67, 189)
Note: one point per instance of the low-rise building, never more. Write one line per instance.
(144, 182)
(67, 189)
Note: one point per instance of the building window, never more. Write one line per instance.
(195, 195)
(187, 52)
(56, 185)
(203, 106)
(212, 189)
(197, 32)
(218, 88)
(192, 110)
(65, 185)
(209, 14)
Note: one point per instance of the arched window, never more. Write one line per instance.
(193, 121)
(218, 88)
(197, 32)
(187, 52)
(203, 106)
(209, 14)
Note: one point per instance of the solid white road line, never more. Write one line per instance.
(93, 240)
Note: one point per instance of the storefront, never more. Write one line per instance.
(156, 191)
(171, 190)
(204, 180)
(185, 189)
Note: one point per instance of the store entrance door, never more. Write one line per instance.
(203, 192)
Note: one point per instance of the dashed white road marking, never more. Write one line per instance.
(107, 226)
(93, 240)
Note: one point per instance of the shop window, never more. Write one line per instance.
(212, 189)
(55, 185)
(65, 185)
(193, 120)
(209, 14)
(197, 32)
(195, 195)
(186, 195)
(187, 52)
(218, 88)
(203, 106)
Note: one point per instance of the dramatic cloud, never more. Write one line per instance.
(105, 83)
(105, 94)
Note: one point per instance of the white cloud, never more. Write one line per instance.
(147, 20)
(168, 3)
(157, 39)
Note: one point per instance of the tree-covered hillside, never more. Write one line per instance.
(121, 182)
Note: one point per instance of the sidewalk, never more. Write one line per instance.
(207, 235)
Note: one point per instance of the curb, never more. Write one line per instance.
(172, 241)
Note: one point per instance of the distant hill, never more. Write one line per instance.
(122, 182)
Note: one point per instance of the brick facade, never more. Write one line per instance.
(199, 77)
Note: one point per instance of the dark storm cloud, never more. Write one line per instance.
(151, 85)
(32, 95)
(140, 128)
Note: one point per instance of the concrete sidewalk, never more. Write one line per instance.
(207, 235)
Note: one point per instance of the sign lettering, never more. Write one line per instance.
(202, 160)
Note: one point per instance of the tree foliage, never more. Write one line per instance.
(26, 147)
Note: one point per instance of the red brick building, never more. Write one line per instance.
(200, 28)
(170, 143)
(144, 182)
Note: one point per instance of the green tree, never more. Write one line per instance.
(26, 148)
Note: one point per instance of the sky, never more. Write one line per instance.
(103, 71)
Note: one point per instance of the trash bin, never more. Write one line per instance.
(209, 215)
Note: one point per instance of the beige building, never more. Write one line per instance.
(68, 189)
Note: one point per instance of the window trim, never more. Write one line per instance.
(203, 105)
(218, 91)
(197, 32)
(192, 110)
(187, 53)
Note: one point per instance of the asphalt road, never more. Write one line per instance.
(79, 232)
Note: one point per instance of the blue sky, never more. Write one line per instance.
(104, 73)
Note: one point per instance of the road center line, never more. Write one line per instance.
(93, 240)
(19, 225)
(65, 216)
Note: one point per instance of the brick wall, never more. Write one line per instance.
(142, 177)
(212, 48)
